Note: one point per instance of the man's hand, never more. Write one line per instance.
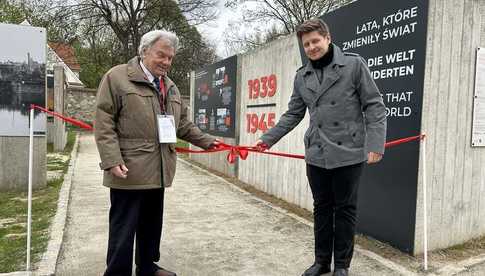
(216, 144)
(120, 171)
(261, 146)
(373, 157)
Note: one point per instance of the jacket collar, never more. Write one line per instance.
(338, 59)
(134, 71)
(136, 74)
(168, 83)
(148, 74)
(330, 77)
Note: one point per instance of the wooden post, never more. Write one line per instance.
(59, 125)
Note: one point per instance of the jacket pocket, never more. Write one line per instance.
(174, 99)
(134, 146)
(143, 161)
(357, 132)
(172, 149)
(306, 138)
(338, 135)
(175, 108)
(136, 101)
(137, 118)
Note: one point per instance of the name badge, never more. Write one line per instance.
(166, 129)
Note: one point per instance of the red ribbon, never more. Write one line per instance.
(243, 151)
(404, 140)
(67, 119)
(235, 152)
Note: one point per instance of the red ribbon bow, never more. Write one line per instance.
(236, 152)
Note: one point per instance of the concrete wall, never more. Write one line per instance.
(14, 160)
(80, 103)
(455, 170)
(216, 161)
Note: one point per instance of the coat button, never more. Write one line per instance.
(335, 123)
(332, 103)
(339, 143)
(353, 134)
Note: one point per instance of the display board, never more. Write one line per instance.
(22, 79)
(215, 98)
(478, 126)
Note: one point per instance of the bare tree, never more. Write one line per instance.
(107, 32)
(285, 16)
(130, 19)
(237, 40)
(198, 11)
(288, 13)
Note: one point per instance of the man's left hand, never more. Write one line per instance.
(373, 157)
(216, 144)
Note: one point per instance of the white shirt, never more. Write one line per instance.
(147, 72)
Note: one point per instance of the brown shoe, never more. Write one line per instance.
(164, 272)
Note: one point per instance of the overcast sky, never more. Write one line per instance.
(18, 44)
(215, 31)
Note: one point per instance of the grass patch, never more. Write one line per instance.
(182, 144)
(50, 147)
(13, 216)
(71, 137)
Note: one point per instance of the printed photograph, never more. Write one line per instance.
(22, 79)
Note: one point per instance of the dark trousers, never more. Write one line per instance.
(334, 212)
(140, 213)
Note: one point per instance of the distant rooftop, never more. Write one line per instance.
(72, 77)
(66, 53)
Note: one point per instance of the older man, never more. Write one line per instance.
(139, 114)
(347, 127)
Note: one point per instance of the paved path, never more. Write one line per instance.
(210, 228)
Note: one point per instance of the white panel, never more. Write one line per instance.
(478, 129)
(455, 169)
(282, 177)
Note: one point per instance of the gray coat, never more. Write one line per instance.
(347, 113)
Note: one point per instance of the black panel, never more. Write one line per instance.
(215, 98)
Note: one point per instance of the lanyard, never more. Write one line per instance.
(160, 86)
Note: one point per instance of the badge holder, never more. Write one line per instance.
(166, 129)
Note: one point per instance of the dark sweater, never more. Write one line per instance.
(322, 62)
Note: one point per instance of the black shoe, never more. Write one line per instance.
(341, 272)
(164, 272)
(316, 270)
(154, 271)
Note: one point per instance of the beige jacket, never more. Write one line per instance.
(126, 132)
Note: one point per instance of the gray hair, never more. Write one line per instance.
(148, 39)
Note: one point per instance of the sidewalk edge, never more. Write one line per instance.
(47, 265)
